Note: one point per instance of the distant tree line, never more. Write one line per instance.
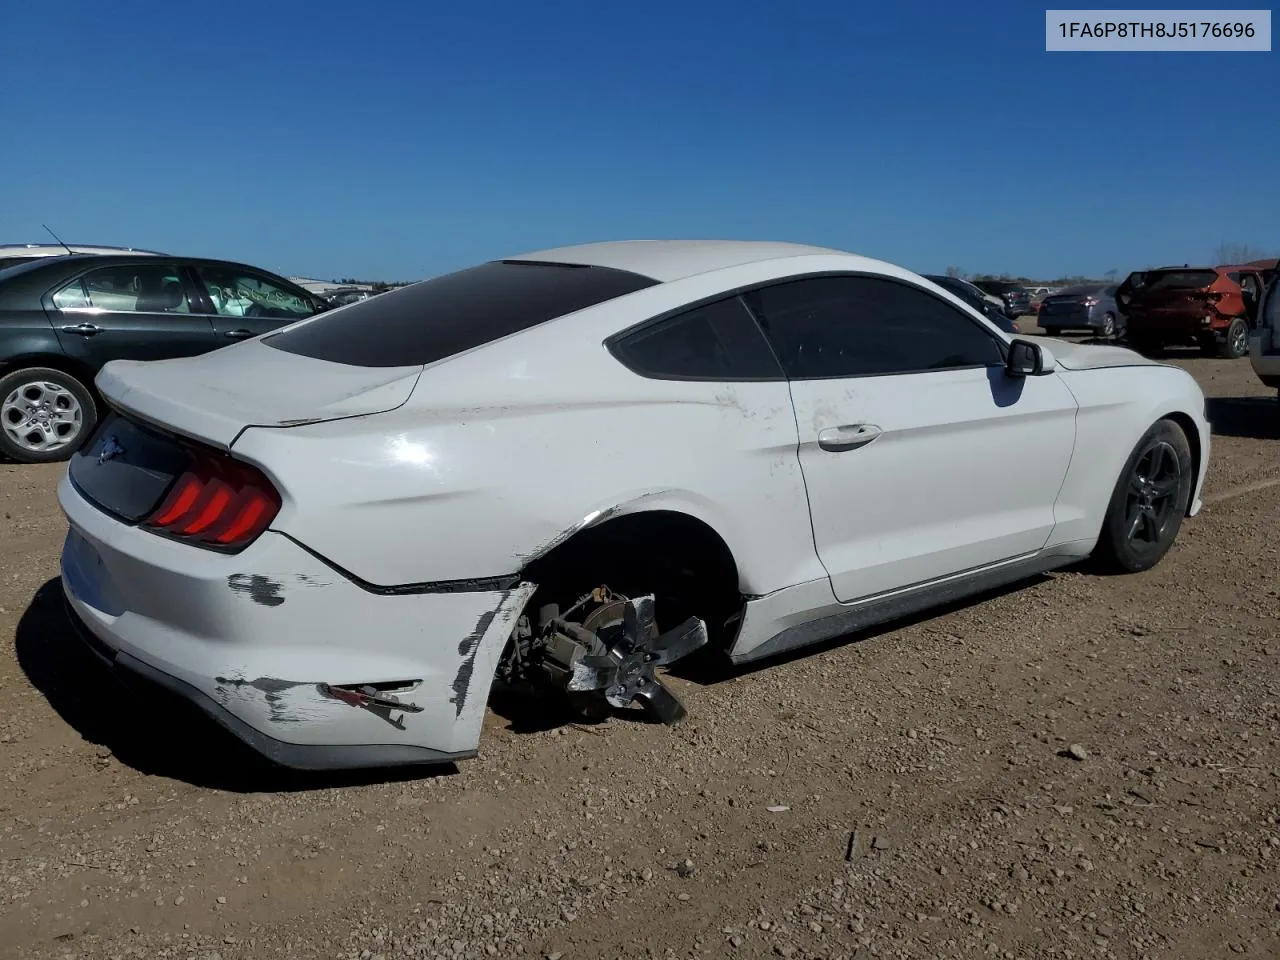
(1029, 281)
(377, 286)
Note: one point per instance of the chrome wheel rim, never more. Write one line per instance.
(1152, 494)
(41, 416)
(1240, 341)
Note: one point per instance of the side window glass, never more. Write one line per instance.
(238, 293)
(137, 288)
(867, 326)
(71, 297)
(716, 341)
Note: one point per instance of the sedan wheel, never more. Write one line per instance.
(45, 415)
(1108, 328)
(1236, 344)
(1149, 500)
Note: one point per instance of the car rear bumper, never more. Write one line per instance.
(1068, 320)
(271, 642)
(1177, 328)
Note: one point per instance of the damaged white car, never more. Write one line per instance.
(567, 469)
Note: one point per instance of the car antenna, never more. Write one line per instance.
(59, 239)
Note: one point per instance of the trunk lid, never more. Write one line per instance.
(1173, 302)
(215, 396)
(1063, 304)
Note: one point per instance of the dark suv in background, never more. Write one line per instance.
(63, 318)
(1016, 297)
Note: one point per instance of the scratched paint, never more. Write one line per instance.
(257, 588)
(298, 701)
(282, 705)
(467, 649)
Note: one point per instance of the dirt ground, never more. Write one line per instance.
(910, 793)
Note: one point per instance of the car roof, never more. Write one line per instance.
(71, 262)
(57, 249)
(123, 257)
(666, 260)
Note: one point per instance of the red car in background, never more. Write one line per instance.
(1212, 307)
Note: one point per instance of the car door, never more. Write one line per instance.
(243, 303)
(921, 456)
(1251, 291)
(140, 310)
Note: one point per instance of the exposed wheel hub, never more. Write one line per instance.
(615, 659)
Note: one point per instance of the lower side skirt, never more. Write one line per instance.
(870, 613)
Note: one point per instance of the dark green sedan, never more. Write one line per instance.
(63, 318)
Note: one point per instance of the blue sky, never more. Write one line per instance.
(402, 140)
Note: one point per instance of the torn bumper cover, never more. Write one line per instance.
(305, 666)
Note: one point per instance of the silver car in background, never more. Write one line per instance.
(1086, 306)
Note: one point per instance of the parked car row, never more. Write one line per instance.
(975, 297)
(1216, 308)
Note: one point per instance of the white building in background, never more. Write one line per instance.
(325, 287)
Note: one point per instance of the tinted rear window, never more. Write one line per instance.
(1178, 279)
(438, 318)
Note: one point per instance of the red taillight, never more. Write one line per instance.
(1090, 301)
(218, 501)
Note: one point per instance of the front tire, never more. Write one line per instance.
(1148, 502)
(45, 415)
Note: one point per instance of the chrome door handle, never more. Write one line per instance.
(848, 437)
(241, 334)
(84, 329)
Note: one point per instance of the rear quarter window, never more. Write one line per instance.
(717, 341)
(447, 315)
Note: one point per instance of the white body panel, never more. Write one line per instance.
(398, 483)
(258, 632)
(970, 460)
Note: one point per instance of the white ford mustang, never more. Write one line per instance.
(570, 468)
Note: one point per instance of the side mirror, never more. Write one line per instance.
(1027, 359)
